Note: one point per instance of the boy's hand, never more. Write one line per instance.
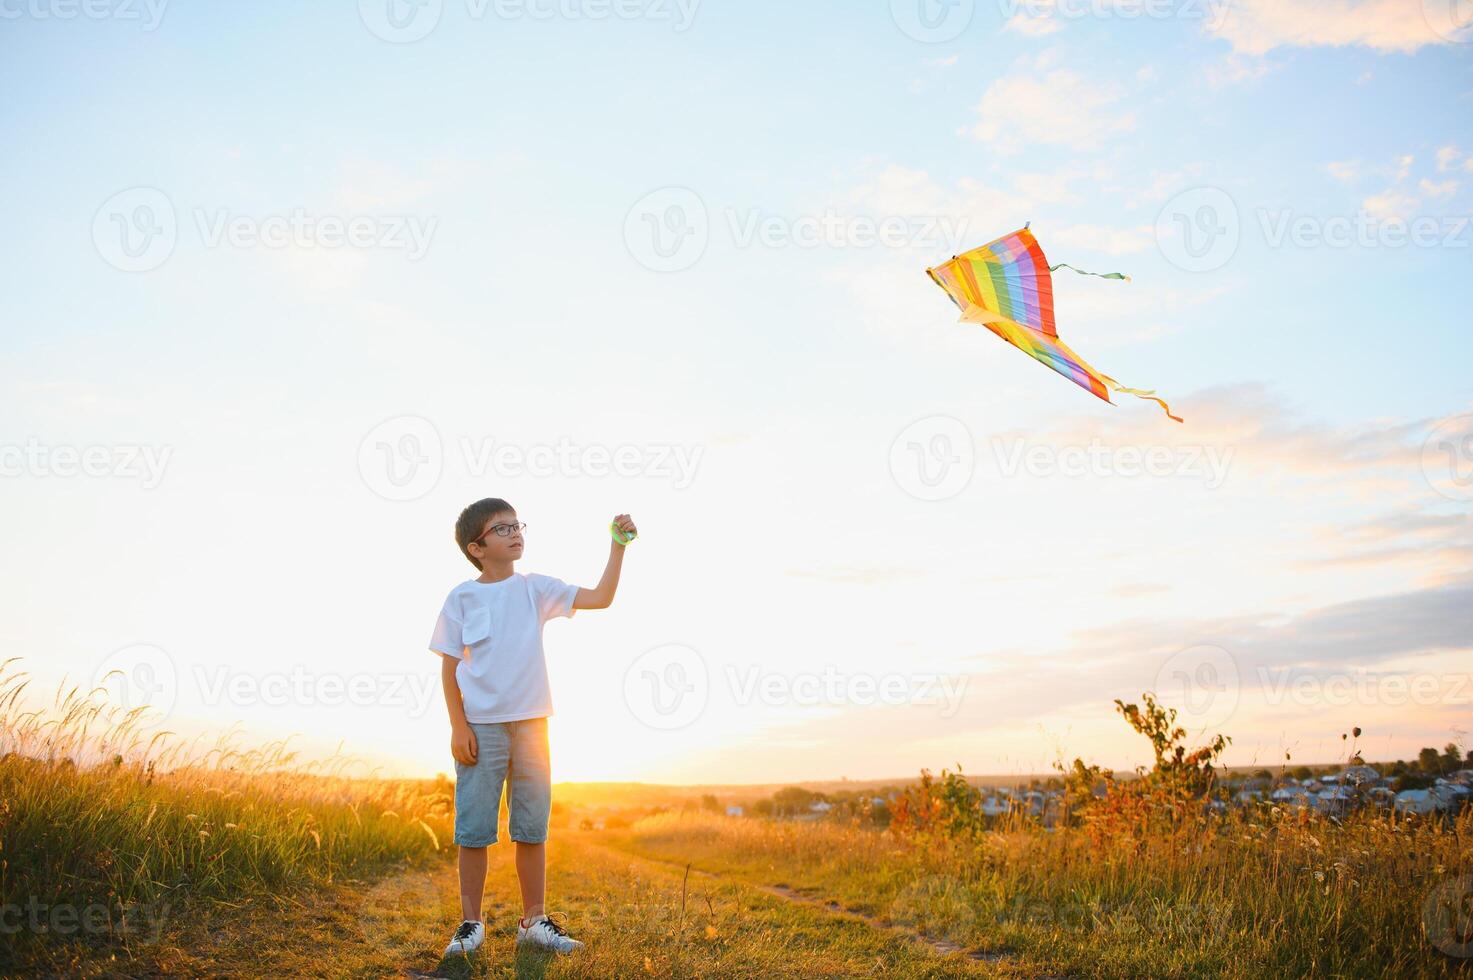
(626, 525)
(463, 745)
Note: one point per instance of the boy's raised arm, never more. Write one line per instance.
(602, 596)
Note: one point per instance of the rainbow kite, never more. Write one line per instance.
(1007, 286)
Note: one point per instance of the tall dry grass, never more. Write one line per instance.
(107, 828)
(1260, 892)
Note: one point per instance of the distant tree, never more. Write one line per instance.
(1452, 758)
(793, 799)
(709, 802)
(1429, 760)
(1302, 773)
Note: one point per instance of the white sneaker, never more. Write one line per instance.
(544, 932)
(467, 939)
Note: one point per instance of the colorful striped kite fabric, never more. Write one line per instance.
(1007, 286)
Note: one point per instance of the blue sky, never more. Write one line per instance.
(534, 153)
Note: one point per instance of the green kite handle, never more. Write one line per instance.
(619, 535)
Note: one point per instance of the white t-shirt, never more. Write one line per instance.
(494, 630)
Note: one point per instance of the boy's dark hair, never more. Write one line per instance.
(473, 519)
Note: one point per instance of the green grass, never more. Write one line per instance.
(109, 836)
(126, 854)
(1280, 896)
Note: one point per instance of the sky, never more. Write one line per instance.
(285, 288)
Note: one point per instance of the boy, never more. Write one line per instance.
(489, 635)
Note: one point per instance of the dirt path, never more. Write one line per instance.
(639, 917)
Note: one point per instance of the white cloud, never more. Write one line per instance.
(1235, 69)
(1255, 27)
(1038, 24)
(1059, 107)
(1452, 158)
(1111, 241)
(1345, 171)
(1390, 204)
(1442, 188)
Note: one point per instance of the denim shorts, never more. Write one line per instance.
(511, 752)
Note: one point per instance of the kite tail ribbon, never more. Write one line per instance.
(1148, 394)
(1102, 275)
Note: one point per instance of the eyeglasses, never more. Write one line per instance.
(502, 530)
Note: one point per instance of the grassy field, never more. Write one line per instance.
(122, 855)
